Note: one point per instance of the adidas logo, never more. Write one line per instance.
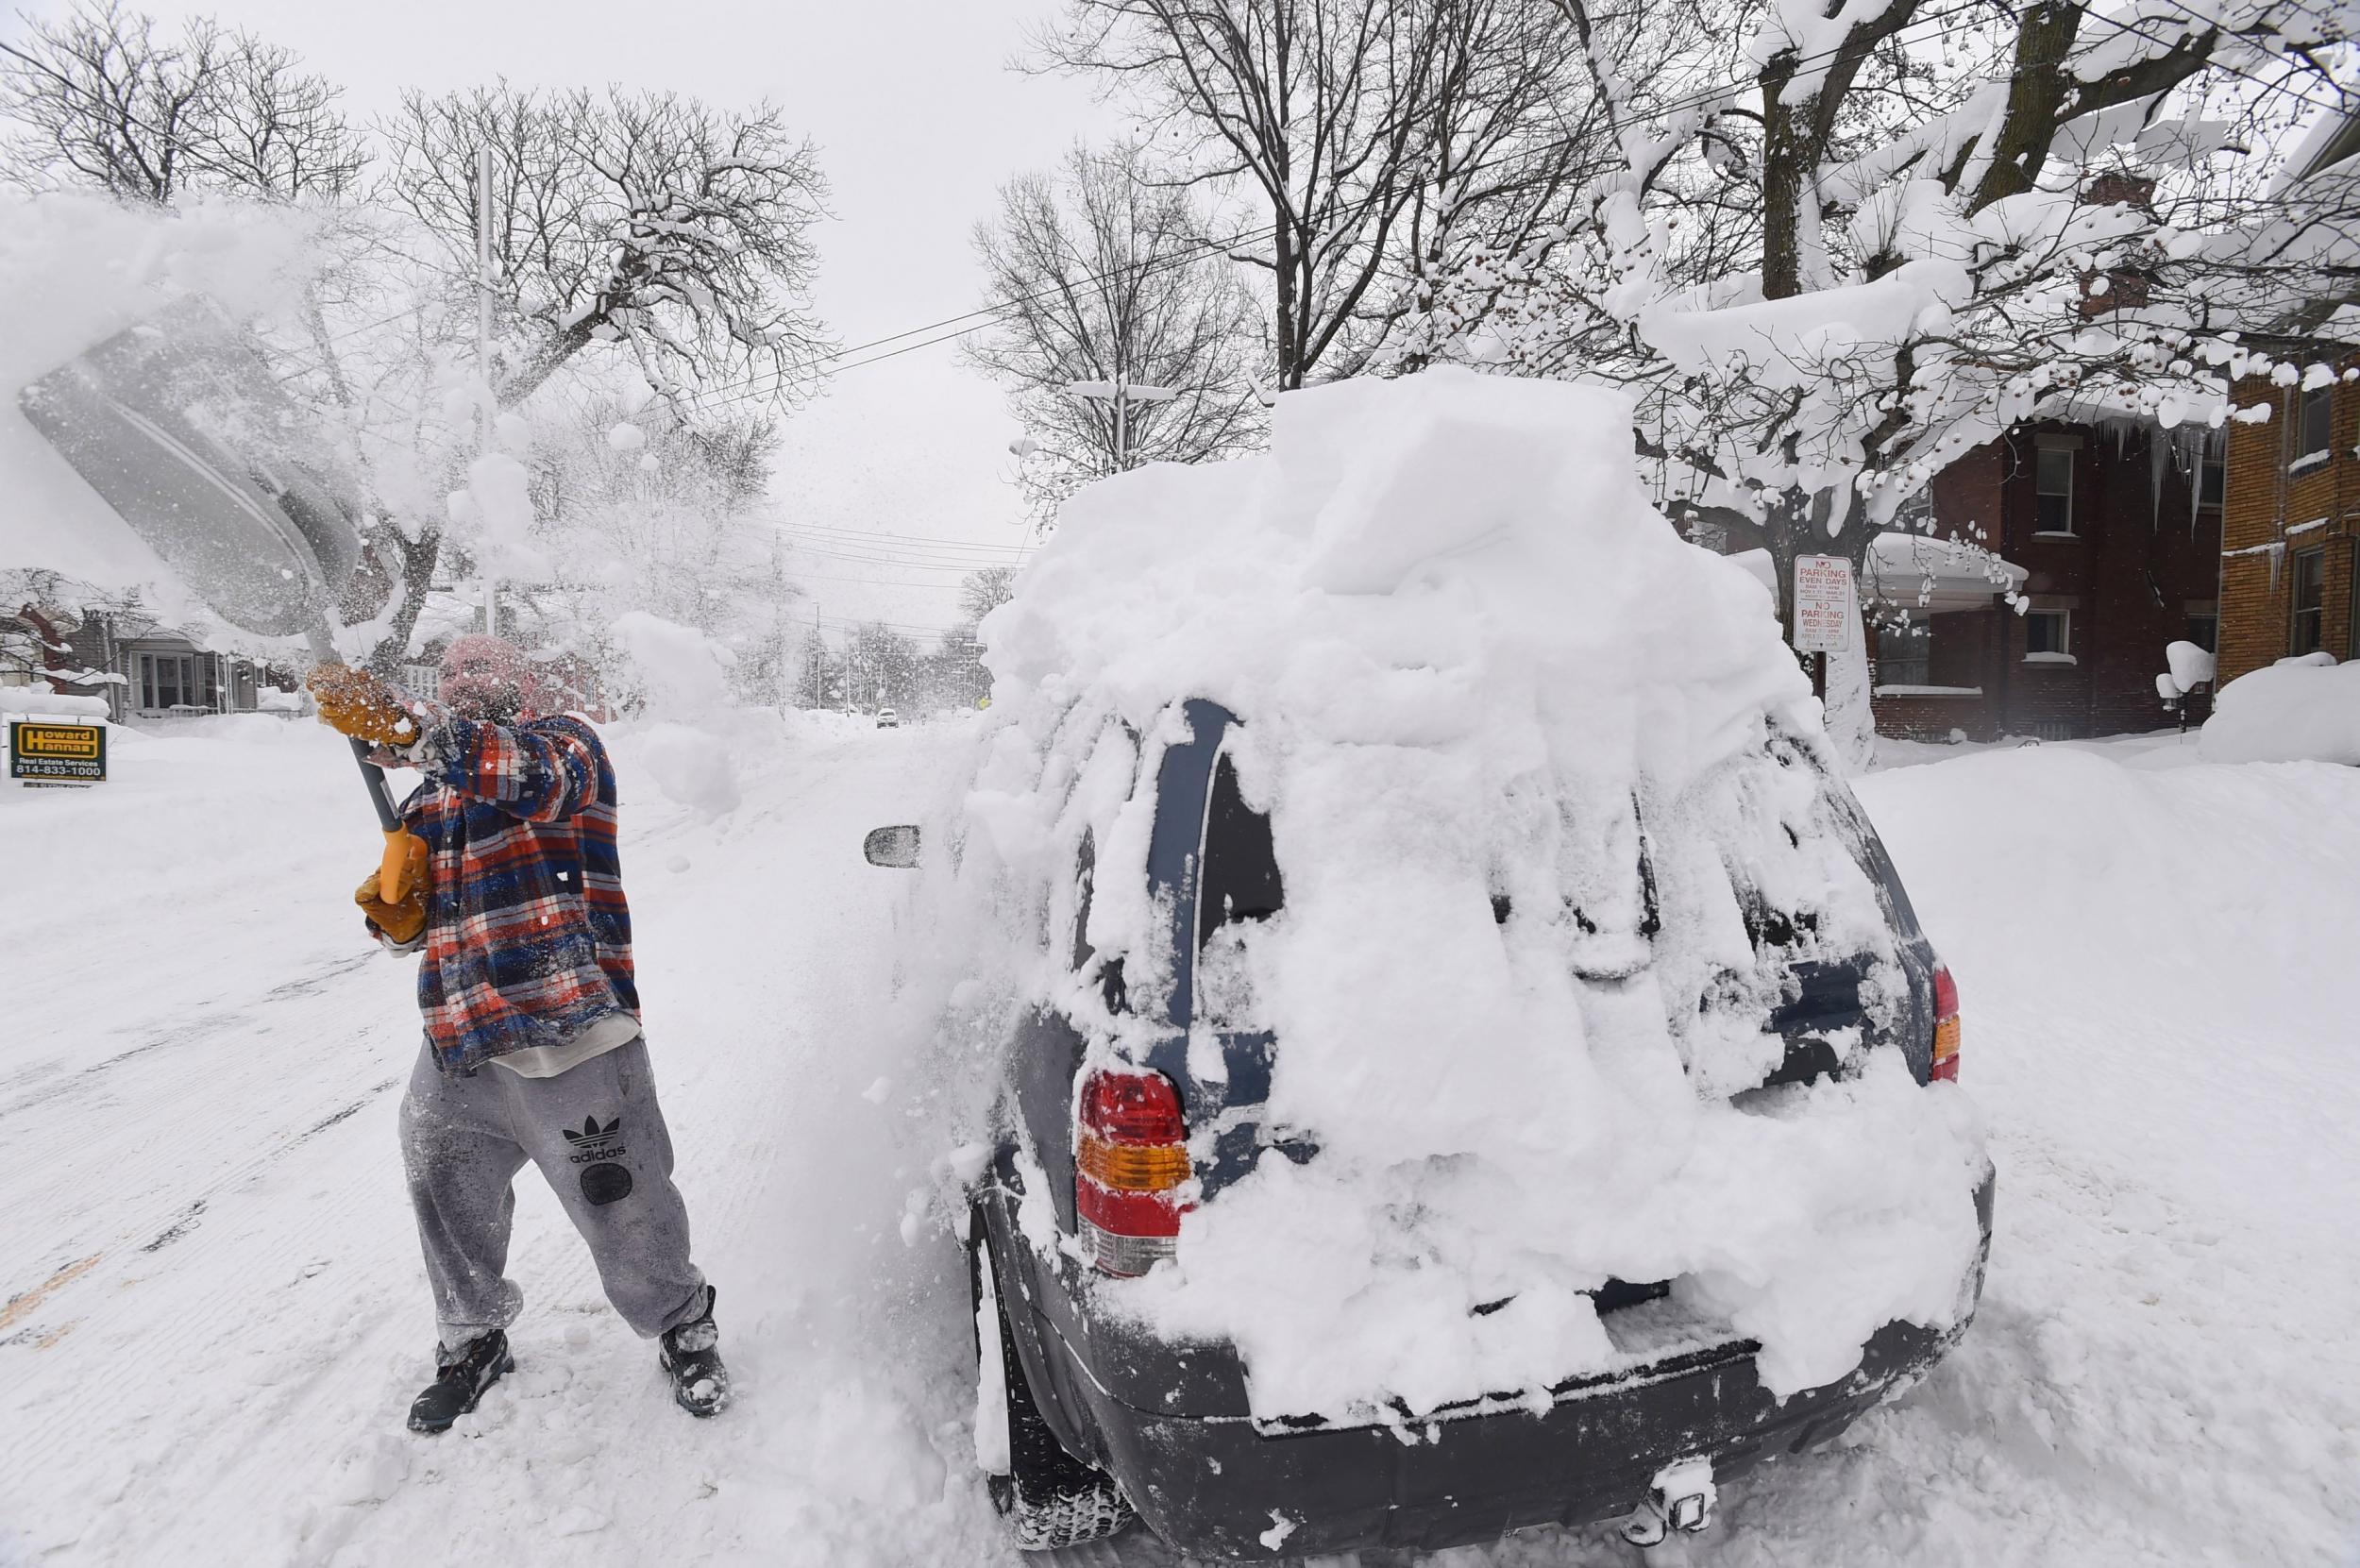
(591, 1132)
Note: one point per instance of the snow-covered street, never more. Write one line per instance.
(215, 1308)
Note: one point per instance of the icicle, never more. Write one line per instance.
(2159, 451)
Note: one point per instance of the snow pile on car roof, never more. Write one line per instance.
(1476, 671)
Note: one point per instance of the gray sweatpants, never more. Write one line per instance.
(597, 1133)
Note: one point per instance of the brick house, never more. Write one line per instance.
(2117, 527)
(2110, 526)
(2288, 583)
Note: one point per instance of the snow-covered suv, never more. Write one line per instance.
(1468, 1063)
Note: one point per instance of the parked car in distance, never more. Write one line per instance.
(1105, 1420)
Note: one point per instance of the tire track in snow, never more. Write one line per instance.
(73, 1080)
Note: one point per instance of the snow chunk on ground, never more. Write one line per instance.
(2295, 711)
(691, 766)
(1473, 664)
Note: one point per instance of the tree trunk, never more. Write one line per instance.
(2035, 90)
(418, 557)
(1789, 157)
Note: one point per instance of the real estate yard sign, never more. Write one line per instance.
(1824, 607)
(50, 751)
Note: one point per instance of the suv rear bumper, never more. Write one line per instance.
(1214, 1486)
(1218, 1489)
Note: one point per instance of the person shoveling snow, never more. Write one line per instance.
(526, 936)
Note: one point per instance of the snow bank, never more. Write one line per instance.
(1472, 662)
(2297, 710)
(41, 700)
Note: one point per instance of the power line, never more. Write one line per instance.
(858, 534)
(902, 563)
(934, 558)
(871, 582)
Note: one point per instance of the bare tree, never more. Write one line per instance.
(647, 221)
(100, 98)
(1371, 137)
(1098, 276)
(982, 592)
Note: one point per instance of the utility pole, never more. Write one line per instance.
(484, 353)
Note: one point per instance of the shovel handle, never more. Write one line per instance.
(392, 871)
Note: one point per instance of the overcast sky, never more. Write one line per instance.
(917, 120)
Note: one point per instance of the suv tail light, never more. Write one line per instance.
(1130, 1160)
(1945, 1027)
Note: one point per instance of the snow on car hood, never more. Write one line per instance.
(1472, 662)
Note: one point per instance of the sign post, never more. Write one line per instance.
(46, 753)
(1824, 611)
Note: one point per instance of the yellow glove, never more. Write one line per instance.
(405, 918)
(354, 702)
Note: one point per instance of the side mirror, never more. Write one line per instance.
(895, 847)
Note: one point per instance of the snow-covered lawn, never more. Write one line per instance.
(215, 1313)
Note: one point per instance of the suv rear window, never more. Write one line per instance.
(1240, 878)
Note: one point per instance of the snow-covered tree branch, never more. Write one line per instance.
(1892, 230)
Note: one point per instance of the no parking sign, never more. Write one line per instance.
(1824, 611)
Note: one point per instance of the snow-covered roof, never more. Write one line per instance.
(1935, 576)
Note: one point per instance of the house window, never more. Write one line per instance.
(2309, 630)
(2052, 490)
(2313, 422)
(2203, 627)
(1903, 656)
(167, 680)
(2049, 635)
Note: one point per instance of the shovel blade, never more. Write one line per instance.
(180, 427)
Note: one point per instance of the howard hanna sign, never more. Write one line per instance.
(48, 751)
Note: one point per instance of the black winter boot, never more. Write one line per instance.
(700, 1384)
(458, 1382)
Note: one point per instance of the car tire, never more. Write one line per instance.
(1048, 1498)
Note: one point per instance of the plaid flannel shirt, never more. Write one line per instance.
(528, 938)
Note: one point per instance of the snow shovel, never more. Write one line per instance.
(179, 426)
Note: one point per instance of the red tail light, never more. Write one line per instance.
(1131, 1161)
(1945, 1027)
